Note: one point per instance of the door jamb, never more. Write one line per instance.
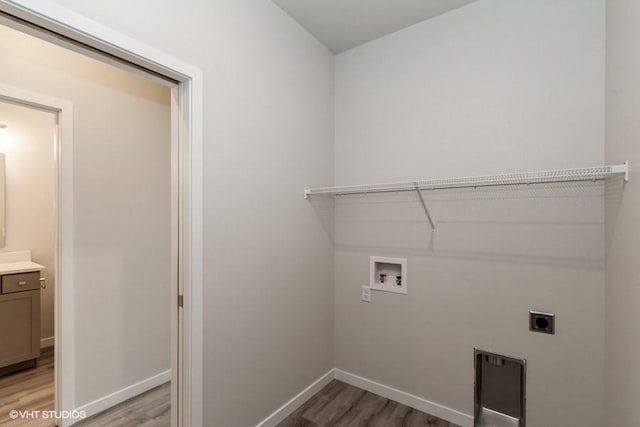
(64, 344)
(188, 99)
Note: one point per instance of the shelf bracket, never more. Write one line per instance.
(623, 168)
(424, 206)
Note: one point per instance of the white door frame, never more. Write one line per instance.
(187, 138)
(63, 253)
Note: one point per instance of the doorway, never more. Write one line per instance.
(28, 254)
(187, 142)
(118, 208)
(42, 139)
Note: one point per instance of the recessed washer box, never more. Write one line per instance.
(388, 274)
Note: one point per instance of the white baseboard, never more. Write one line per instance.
(288, 408)
(47, 342)
(110, 400)
(437, 410)
(407, 399)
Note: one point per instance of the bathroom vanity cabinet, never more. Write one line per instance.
(19, 321)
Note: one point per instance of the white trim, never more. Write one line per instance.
(288, 408)
(194, 309)
(46, 342)
(69, 23)
(176, 369)
(54, 17)
(431, 408)
(64, 265)
(407, 399)
(115, 398)
(64, 274)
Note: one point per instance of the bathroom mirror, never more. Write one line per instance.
(3, 227)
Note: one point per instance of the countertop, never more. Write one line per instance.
(20, 267)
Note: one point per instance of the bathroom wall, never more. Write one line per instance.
(268, 275)
(492, 87)
(121, 212)
(622, 213)
(30, 210)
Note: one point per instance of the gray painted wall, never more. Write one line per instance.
(622, 213)
(495, 86)
(491, 87)
(121, 210)
(268, 296)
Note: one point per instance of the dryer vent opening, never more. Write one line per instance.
(499, 390)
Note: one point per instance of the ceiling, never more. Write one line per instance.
(343, 24)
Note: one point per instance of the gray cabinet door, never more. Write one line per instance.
(19, 327)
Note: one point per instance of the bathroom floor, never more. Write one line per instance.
(28, 390)
(342, 405)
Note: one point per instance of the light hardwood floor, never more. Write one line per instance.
(336, 405)
(32, 390)
(29, 390)
(342, 405)
(150, 409)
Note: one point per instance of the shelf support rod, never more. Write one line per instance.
(424, 206)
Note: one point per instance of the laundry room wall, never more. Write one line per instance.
(268, 133)
(622, 212)
(492, 87)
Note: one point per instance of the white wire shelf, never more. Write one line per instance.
(595, 173)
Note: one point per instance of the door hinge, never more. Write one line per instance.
(181, 301)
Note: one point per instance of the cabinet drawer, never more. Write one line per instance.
(20, 282)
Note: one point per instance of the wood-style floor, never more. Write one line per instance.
(29, 390)
(32, 390)
(336, 405)
(342, 405)
(150, 409)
